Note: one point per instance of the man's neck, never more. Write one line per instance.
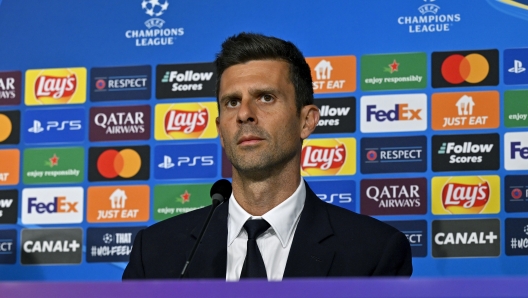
(257, 197)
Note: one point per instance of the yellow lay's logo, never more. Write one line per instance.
(466, 195)
(186, 121)
(55, 86)
(328, 157)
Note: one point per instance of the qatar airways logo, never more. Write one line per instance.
(326, 157)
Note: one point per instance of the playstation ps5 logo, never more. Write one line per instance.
(167, 162)
(56, 125)
(517, 67)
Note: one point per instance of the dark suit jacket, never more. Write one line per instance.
(329, 242)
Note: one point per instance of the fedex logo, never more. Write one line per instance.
(53, 205)
(401, 112)
(58, 205)
(391, 113)
(516, 151)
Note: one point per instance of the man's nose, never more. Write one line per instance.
(247, 112)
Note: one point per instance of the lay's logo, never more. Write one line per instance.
(328, 157)
(185, 121)
(55, 86)
(466, 195)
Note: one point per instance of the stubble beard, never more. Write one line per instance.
(272, 158)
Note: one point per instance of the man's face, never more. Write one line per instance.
(258, 125)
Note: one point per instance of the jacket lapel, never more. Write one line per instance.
(308, 256)
(210, 259)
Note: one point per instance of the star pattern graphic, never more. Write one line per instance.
(53, 161)
(185, 197)
(394, 66)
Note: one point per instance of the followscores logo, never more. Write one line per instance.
(185, 80)
(466, 152)
(337, 115)
(52, 205)
(54, 125)
(390, 113)
(8, 206)
(186, 161)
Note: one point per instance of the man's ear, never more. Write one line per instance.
(219, 131)
(309, 119)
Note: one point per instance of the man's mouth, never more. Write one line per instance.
(249, 140)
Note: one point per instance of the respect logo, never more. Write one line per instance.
(466, 195)
(55, 86)
(185, 121)
(328, 157)
(333, 74)
(465, 68)
(124, 203)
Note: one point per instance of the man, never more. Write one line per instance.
(266, 110)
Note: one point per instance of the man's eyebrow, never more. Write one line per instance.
(263, 90)
(230, 96)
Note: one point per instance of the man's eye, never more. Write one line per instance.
(266, 98)
(232, 103)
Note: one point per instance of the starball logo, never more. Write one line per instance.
(326, 157)
(55, 86)
(466, 195)
(430, 19)
(186, 121)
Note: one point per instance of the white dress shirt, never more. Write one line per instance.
(274, 244)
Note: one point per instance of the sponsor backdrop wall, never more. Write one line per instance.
(107, 113)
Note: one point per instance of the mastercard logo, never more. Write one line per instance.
(7, 127)
(125, 163)
(118, 163)
(465, 68)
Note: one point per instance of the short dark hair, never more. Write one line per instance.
(245, 47)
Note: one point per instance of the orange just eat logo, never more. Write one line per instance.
(55, 86)
(465, 110)
(123, 203)
(9, 166)
(328, 157)
(466, 195)
(186, 121)
(333, 74)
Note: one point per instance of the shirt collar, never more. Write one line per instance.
(282, 218)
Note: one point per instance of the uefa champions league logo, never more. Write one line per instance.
(154, 8)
